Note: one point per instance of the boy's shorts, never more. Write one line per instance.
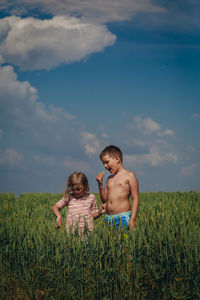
(122, 218)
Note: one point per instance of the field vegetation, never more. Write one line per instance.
(158, 261)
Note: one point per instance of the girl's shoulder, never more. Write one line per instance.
(66, 198)
(91, 196)
(63, 202)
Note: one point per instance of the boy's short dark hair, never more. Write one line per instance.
(112, 151)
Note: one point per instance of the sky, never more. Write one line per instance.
(76, 76)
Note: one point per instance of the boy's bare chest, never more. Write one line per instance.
(117, 183)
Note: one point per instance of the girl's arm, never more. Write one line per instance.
(58, 206)
(58, 215)
(100, 212)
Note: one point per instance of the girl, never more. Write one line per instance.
(82, 206)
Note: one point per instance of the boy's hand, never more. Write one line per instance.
(99, 177)
(132, 224)
(59, 221)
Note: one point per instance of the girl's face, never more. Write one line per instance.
(78, 190)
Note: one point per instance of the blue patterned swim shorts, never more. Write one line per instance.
(122, 218)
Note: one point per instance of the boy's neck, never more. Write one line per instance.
(121, 167)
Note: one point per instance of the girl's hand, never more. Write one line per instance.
(100, 212)
(59, 221)
(103, 208)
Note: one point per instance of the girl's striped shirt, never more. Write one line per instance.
(80, 210)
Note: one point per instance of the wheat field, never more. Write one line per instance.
(158, 261)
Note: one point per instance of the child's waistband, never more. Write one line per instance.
(126, 213)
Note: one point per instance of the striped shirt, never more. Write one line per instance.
(80, 210)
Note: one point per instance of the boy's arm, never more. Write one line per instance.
(134, 186)
(102, 191)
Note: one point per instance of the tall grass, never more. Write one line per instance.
(158, 261)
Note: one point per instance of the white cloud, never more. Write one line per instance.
(140, 142)
(148, 126)
(191, 148)
(19, 105)
(4, 29)
(49, 136)
(102, 11)
(33, 44)
(188, 170)
(196, 116)
(91, 143)
(18, 101)
(18, 91)
(167, 132)
(29, 121)
(104, 135)
(53, 113)
(146, 143)
(11, 158)
(154, 158)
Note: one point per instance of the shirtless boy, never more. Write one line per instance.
(120, 185)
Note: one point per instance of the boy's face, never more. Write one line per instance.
(111, 163)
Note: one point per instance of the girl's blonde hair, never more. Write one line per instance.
(77, 178)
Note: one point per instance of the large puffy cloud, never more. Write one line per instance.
(42, 44)
(40, 136)
(20, 108)
(19, 98)
(102, 11)
(14, 94)
(176, 15)
(28, 124)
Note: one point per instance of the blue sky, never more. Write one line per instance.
(76, 76)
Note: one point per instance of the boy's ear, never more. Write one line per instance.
(117, 158)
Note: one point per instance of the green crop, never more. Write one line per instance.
(160, 260)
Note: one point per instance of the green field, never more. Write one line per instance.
(159, 261)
